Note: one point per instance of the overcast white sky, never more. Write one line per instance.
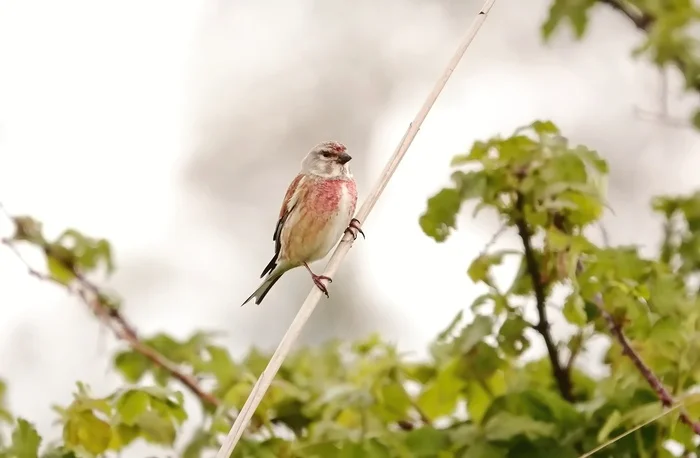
(97, 132)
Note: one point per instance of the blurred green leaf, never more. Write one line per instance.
(511, 336)
(612, 423)
(574, 310)
(28, 229)
(479, 270)
(474, 333)
(59, 271)
(25, 440)
(85, 431)
(574, 11)
(131, 405)
(132, 365)
(427, 442)
(506, 426)
(439, 397)
(440, 216)
(5, 415)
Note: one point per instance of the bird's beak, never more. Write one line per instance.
(344, 158)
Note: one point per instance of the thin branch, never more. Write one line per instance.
(307, 308)
(561, 375)
(616, 331)
(112, 318)
(644, 22)
(641, 20)
(664, 396)
(644, 115)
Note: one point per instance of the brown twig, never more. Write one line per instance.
(91, 295)
(640, 19)
(644, 22)
(651, 378)
(561, 375)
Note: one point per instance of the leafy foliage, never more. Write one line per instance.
(670, 25)
(474, 396)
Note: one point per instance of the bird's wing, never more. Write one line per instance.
(290, 201)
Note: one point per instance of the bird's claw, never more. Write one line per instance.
(354, 228)
(317, 281)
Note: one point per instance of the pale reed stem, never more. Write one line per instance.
(307, 308)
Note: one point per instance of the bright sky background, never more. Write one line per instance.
(95, 134)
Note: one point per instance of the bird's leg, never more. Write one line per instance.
(317, 280)
(354, 228)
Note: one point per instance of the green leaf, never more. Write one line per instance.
(5, 415)
(545, 127)
(480, 362)
(57, 452)
(479, 269)
(478, 151)
(86, 253)
(367, 345)
(613, 422)
(505, 426)
(575, 310)
(440, 217)
(464, 434)
(374, 448)
(474, 333)
(131, 405)
(478, 401)
(426, 442)
(511, 337)
(696, 119)
(440, 397)
(156, 428)
(394, 401)
(665, 330)
(201, 440)
(28, 229)
(592, 158)
(575, 11)
(84, 430)
(58, 271)
(470, 184)
(132, 365)
(123, 435)
(25, 440)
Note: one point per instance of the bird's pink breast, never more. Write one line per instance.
(323, 209)
(329, 192)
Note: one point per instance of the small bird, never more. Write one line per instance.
(317, 209)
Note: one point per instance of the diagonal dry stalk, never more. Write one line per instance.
(683, 402)
(307, 308)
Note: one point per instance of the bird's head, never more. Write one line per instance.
(327, 160)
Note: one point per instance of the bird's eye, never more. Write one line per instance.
(326, 154)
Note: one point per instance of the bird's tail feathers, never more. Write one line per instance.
(267, 284)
